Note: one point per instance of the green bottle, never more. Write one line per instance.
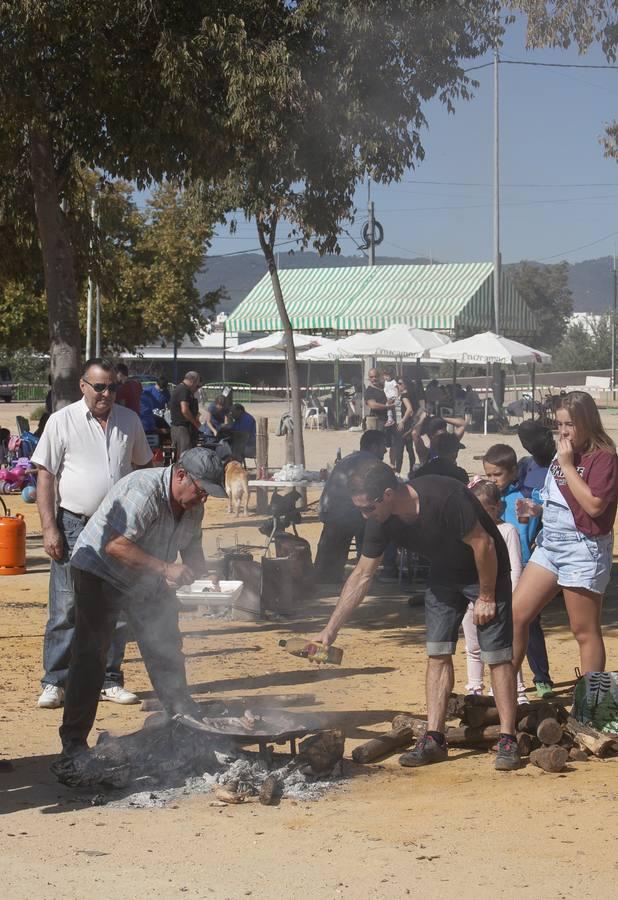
(312, 650)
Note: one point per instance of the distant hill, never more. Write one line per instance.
(590, 281)
(592, 284)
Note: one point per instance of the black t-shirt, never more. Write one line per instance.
(438, 466)
(447, 512)
(377, 394)
(180, 395)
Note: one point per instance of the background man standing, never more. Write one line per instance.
(375, 398)
(440, 519)
(342, 521)
(85, 449)
(184, 409)
(129, 390)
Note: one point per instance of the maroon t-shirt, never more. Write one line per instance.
(599, 470)
(128, 394)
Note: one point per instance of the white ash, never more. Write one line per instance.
(246, 773)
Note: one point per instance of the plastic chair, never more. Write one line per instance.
(22, 425)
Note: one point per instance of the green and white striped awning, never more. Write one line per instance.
(368, 298)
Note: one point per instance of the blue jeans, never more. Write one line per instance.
(537, 653)
(61, 621)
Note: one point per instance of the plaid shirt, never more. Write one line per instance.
(138, 508)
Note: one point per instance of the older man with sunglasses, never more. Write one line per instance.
(85, 449)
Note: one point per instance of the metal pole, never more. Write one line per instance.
(224, 357)
(497, 260)
(97, 327)
(615, 310)
(371, 258)
(90, 301)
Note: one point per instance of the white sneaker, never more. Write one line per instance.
(52, 697)
(522, 699)
(118, 694)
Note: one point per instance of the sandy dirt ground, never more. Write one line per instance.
(459, 829)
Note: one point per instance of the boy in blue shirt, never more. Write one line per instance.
(500, 464)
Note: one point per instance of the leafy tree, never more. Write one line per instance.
(116, 85)
(546, 291)
(169, 255)
(559, 23)
(586, 346)
(351, 81)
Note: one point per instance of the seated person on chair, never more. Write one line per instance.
(242, 421)
(215, 416)
(341, 519)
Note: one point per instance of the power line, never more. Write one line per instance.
(581, 247)
(251, 250)
(510, 204)
(513, 184)
(545, 65)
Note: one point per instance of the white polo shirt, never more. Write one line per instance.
(86, 459)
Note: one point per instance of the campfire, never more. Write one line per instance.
(168, 758)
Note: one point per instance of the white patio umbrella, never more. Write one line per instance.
(330, 351)
(397, 342)
(488, 348)
(276, 341)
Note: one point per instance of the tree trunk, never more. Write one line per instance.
(297, 416)
(58, 264)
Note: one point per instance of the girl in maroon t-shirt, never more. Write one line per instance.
(574, 548)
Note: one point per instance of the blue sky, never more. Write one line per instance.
(558, 190)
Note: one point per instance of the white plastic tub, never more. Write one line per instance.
(202, 593)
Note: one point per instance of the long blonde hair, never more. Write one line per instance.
(585, 416)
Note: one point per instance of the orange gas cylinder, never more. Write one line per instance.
(12, 543)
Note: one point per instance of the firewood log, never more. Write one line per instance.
(472, 737)
(550, 759)
(398, 737)
(549, 731)
(577, 754)
(588, 738)
(524, 743)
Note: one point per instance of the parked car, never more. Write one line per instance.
(6, 384)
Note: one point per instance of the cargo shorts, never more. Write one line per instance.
(445, 607)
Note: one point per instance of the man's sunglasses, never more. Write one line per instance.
(201, 493)
(100, 388)
(371, 507)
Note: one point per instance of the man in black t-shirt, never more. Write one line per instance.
(441, 520)
(375, 398)
(184, 410)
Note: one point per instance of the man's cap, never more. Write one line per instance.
(207, 468)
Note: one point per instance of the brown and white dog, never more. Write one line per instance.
(236, 486)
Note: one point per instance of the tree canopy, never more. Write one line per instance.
(546, 291)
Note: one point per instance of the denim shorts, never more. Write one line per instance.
(575, 559)
(445, 607)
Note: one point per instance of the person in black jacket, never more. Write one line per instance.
(342, 521)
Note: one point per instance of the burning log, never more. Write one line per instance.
(230, 794)
(549, 731)
(550, 759)
(271, 791)
(322, 751)
(596, 742)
